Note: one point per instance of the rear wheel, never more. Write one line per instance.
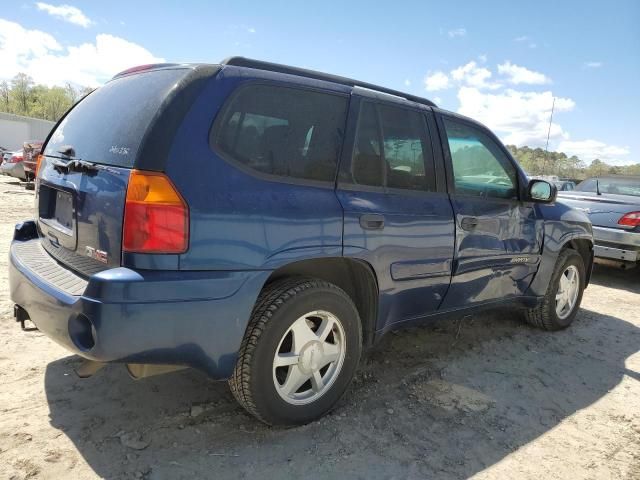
(300, 352)
(564, 294)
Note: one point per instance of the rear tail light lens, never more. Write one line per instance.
(15, 159)
(156, 217)
(631, 219)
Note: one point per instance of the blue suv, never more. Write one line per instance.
(265, 223)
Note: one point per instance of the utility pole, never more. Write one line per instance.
(546, 148)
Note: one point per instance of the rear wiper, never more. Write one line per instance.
(75, 165)
(78, 165)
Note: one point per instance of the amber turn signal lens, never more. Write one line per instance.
(156, 217)
(39, 160)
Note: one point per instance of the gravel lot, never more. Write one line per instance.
(485, 397)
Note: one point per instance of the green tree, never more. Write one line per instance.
(21, 86)
(4, 96)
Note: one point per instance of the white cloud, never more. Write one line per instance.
(67, 13)
(517, 74)
(593, 64)
(437, 101)
(482, 58)
(474, 76)
(589, 150)
(407, 83)
(39, 55)
(523, 38)
(251, 30)
(436, 81)
(457, 32)
(520, 118)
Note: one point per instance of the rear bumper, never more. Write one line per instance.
(616, 244)
(196, 319)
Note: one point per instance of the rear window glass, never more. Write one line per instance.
(108, 125)
(283, 131)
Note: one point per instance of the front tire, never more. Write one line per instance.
(564, 294)
(300, 352)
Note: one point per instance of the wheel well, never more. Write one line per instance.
(355, 277)
(585, 248)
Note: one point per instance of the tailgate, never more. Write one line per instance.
(88, 158)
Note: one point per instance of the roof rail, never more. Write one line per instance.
(303, 72)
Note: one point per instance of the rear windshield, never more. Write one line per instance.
(108, 125)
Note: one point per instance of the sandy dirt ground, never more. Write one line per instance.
(485, 397)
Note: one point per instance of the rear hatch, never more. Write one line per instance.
(128, 123)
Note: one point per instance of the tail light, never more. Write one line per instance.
(15, 159)
(39, 159)
(631, 219)
(156, 217)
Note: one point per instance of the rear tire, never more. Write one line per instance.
(562, 300)
(300, 352)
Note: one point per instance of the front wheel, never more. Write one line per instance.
(300, 352)
(564, 294)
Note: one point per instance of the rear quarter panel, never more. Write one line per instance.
(239, 220)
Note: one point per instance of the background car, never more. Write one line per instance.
(613, 205)
(14, 165)
(30, 152)
(565, 185)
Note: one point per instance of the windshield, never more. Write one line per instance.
(615, 186)
(109, 124)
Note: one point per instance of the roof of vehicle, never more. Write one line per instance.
(280, 68)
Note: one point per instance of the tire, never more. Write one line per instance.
(545, 315)
(277, 327)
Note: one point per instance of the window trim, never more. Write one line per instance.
(448, 160)
(328, 184)
(347, 157)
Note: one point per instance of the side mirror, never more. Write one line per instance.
(542, 191)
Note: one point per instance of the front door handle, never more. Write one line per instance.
(372, 221)
(469, 223)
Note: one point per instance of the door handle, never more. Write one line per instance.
(469, 223)
(372, 221)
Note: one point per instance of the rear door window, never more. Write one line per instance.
(392, 149)
(109, 124)
(281, 131)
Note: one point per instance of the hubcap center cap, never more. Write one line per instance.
(310, 357)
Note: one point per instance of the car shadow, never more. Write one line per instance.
(446, 400)
(617, 278)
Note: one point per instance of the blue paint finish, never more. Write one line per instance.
(193, 309)
(416, 243)
(240, 220)
(497, 258)
(187, 318)
(97, 220)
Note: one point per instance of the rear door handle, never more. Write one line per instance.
(372, 221)
(469, 223)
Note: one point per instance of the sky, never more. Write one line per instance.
(500, 62)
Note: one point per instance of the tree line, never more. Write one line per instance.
(22, 96)
(536, 161)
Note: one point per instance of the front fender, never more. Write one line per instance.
(562, 224)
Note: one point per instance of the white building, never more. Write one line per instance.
(16, 129)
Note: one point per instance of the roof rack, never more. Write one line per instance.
(303, 72)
